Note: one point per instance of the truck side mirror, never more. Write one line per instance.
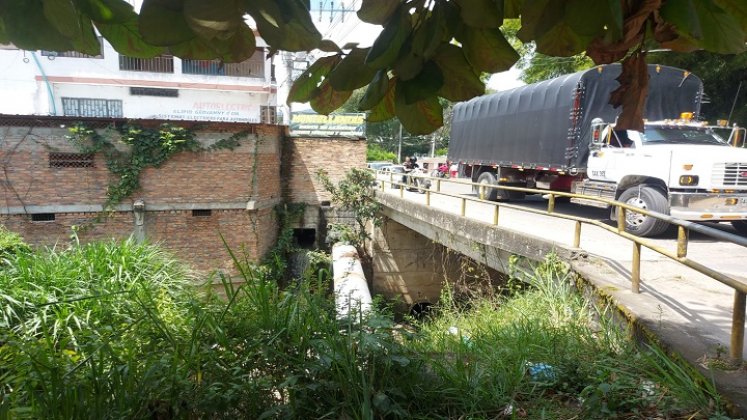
(597, 127)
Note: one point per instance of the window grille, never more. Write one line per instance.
(147, 91)
(43, 217)
(162, 64)
(268, 114)
(202, 213)
(71, 160)
(75, 54)
(254, 66)
(91, 107)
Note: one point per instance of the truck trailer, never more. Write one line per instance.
(559, 135)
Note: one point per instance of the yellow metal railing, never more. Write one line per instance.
(679, 255)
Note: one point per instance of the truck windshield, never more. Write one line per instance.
(680, 135)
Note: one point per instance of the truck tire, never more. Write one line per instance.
(648, 198)
(486, 179)
(740, 226)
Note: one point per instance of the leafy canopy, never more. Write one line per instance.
(426, 50)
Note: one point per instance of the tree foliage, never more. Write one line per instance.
(423, 42)
(721, 75)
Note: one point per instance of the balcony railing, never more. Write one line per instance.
(252, 67)
(162, 64)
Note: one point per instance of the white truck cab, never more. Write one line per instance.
(679, 168)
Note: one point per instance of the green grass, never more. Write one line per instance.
(120, 330)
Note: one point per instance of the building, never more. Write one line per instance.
(111, 85)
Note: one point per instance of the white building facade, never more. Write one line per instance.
(113, 85)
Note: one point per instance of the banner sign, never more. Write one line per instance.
(342, 125)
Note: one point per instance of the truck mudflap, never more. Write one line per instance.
(708, 207)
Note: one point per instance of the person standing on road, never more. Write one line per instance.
(454, 170)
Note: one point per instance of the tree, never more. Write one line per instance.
(406, 68)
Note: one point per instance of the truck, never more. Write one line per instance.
(559, 135)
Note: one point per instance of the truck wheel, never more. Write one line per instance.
(485, 180)
(740, 226)
(647, 198)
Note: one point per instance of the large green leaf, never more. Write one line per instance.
(706, 25)
(238, 48)
(487, 49)
(327, 99)
(28, 29)
(386, 48)
(422, 117)
(423, 86)
(463, 83)
(63, 15)
(214, 18)
(284, 24)
(107, 11)
(736, 8)
(375, 92)
(163, 25)
(481, 13)
(377, 12)
(126, 39)
(427, 38)
(408, 66)
(352, 72)
(303, 88)
(384, 110)
(552, 24)
(3, 34)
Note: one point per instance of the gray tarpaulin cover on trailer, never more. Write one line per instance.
(549, 123)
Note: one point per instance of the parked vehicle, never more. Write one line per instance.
(559, 135)
(384, 174)
(377, 164)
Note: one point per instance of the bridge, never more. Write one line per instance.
(686, 288)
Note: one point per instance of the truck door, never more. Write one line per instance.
(606, 163)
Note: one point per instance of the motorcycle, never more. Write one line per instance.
(416, 180)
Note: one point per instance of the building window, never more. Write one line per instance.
(43, 217)
(147, 91)
(71, 160)
(268, 114)
(74, 54)
(252, 67)
(202, 213)
(162, 64)
(90, 107)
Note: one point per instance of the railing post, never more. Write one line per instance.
(464, 206)
(401, 191)
(551, 203)
(635, 270)
(577, 235)
(382, 184)
(621, 219)
(737, 327)
(495, 214)
(428, 198)
(681, 242)
(438, 185)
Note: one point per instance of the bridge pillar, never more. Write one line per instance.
(407, 266)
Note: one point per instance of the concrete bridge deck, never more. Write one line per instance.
(688, 312)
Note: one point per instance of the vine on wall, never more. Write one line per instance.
(145, 147)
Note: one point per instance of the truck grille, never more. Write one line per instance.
(730, 174)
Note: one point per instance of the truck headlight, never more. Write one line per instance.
(689, 180)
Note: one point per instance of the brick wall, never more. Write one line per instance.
(225, 182)
(303, 157)
(240, 188)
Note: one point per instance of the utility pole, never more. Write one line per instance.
(433, 144)
(399, 145)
